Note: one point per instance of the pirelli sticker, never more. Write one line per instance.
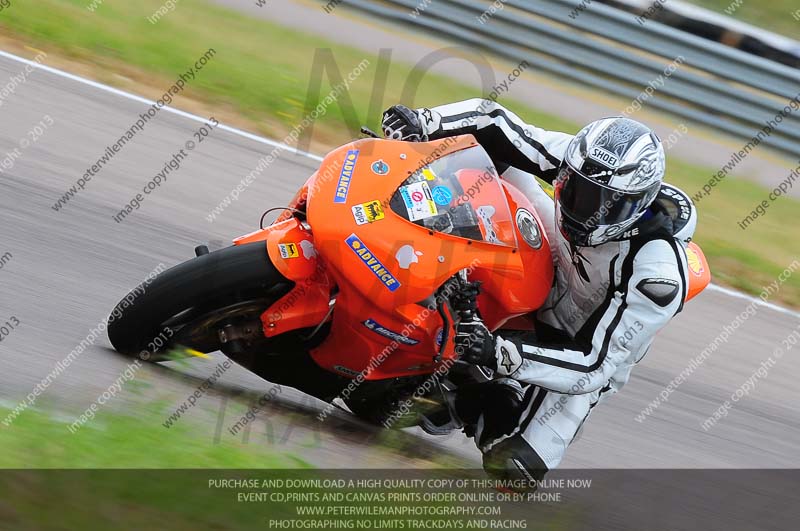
(368, 212)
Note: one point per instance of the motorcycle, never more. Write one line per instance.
(350, 292)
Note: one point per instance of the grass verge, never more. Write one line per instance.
(780, 16)
(126, 497)
(260, 75)
(42, 441)
(128, 472)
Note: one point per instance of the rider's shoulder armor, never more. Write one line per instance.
(671, 214)
(679, 207)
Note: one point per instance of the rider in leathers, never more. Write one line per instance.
(617, 235)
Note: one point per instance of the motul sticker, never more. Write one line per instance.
(288, 250)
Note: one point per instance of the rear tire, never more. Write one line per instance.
(221, 279)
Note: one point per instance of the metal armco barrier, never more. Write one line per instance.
(610, 50)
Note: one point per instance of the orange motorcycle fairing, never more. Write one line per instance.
(699, 271)
(290, 247)
(372, 222)
(513, 292)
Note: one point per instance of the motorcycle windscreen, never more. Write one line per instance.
(459, 194)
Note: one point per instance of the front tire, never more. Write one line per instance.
(239, 281)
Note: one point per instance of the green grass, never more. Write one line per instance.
(780, 16)
(261, 71)
(746, 259)
(36, 440)
(126, 499)
(129, 472)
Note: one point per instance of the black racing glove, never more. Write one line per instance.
(401, 123)
(475, 344)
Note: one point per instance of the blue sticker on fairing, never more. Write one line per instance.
(369, 260)
(380, 168)
(390, 334)
(343, 186)
(442, 195)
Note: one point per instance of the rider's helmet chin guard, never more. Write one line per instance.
(611, 173)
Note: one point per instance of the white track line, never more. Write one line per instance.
(757, 301)
(273, 143)
(173, 110)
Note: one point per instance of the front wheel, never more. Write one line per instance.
(211, 302)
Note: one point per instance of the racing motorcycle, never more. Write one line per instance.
(351, 291)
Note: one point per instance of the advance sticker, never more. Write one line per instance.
(345, 176)
(369, 260)
(419, 201)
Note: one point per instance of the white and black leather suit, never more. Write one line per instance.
(605, 308)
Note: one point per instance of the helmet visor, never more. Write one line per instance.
(592, 204)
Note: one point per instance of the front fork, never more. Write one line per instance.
(444, 418)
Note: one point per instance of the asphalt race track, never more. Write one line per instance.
(68, 268)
